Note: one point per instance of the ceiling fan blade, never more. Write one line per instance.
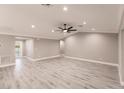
(70, 28)
(60, 28)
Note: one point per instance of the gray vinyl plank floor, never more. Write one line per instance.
(59, 73)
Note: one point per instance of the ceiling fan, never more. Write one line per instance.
(66, 28)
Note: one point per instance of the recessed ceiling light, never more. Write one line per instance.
(65, 8)
(33, 26)
(93, 29)
(53, 31)
(84, 22)
(65, 31)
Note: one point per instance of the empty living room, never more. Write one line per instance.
(61, 46)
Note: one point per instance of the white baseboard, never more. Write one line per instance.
(29, 58)
(92, 61)
(7, 65)
(44, 58)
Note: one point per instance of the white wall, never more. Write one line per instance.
(7, 47)
(93, 46)
(41, 48)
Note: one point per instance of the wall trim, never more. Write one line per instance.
(43, 58)
(29, 36)
(29, 58)
(92, 61)
(7, 65)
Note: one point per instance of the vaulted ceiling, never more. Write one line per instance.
(18, 19)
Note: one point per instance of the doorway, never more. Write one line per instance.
(18, 48)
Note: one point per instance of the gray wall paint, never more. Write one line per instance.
(29, 48)
(62, 45)
(94, 46)
(45, 48)
(41, 48)
(7, 47)
(121, 47)
(122, 55)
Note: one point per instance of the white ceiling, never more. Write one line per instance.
(17, 19)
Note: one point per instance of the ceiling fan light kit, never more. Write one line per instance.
(66, 28)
